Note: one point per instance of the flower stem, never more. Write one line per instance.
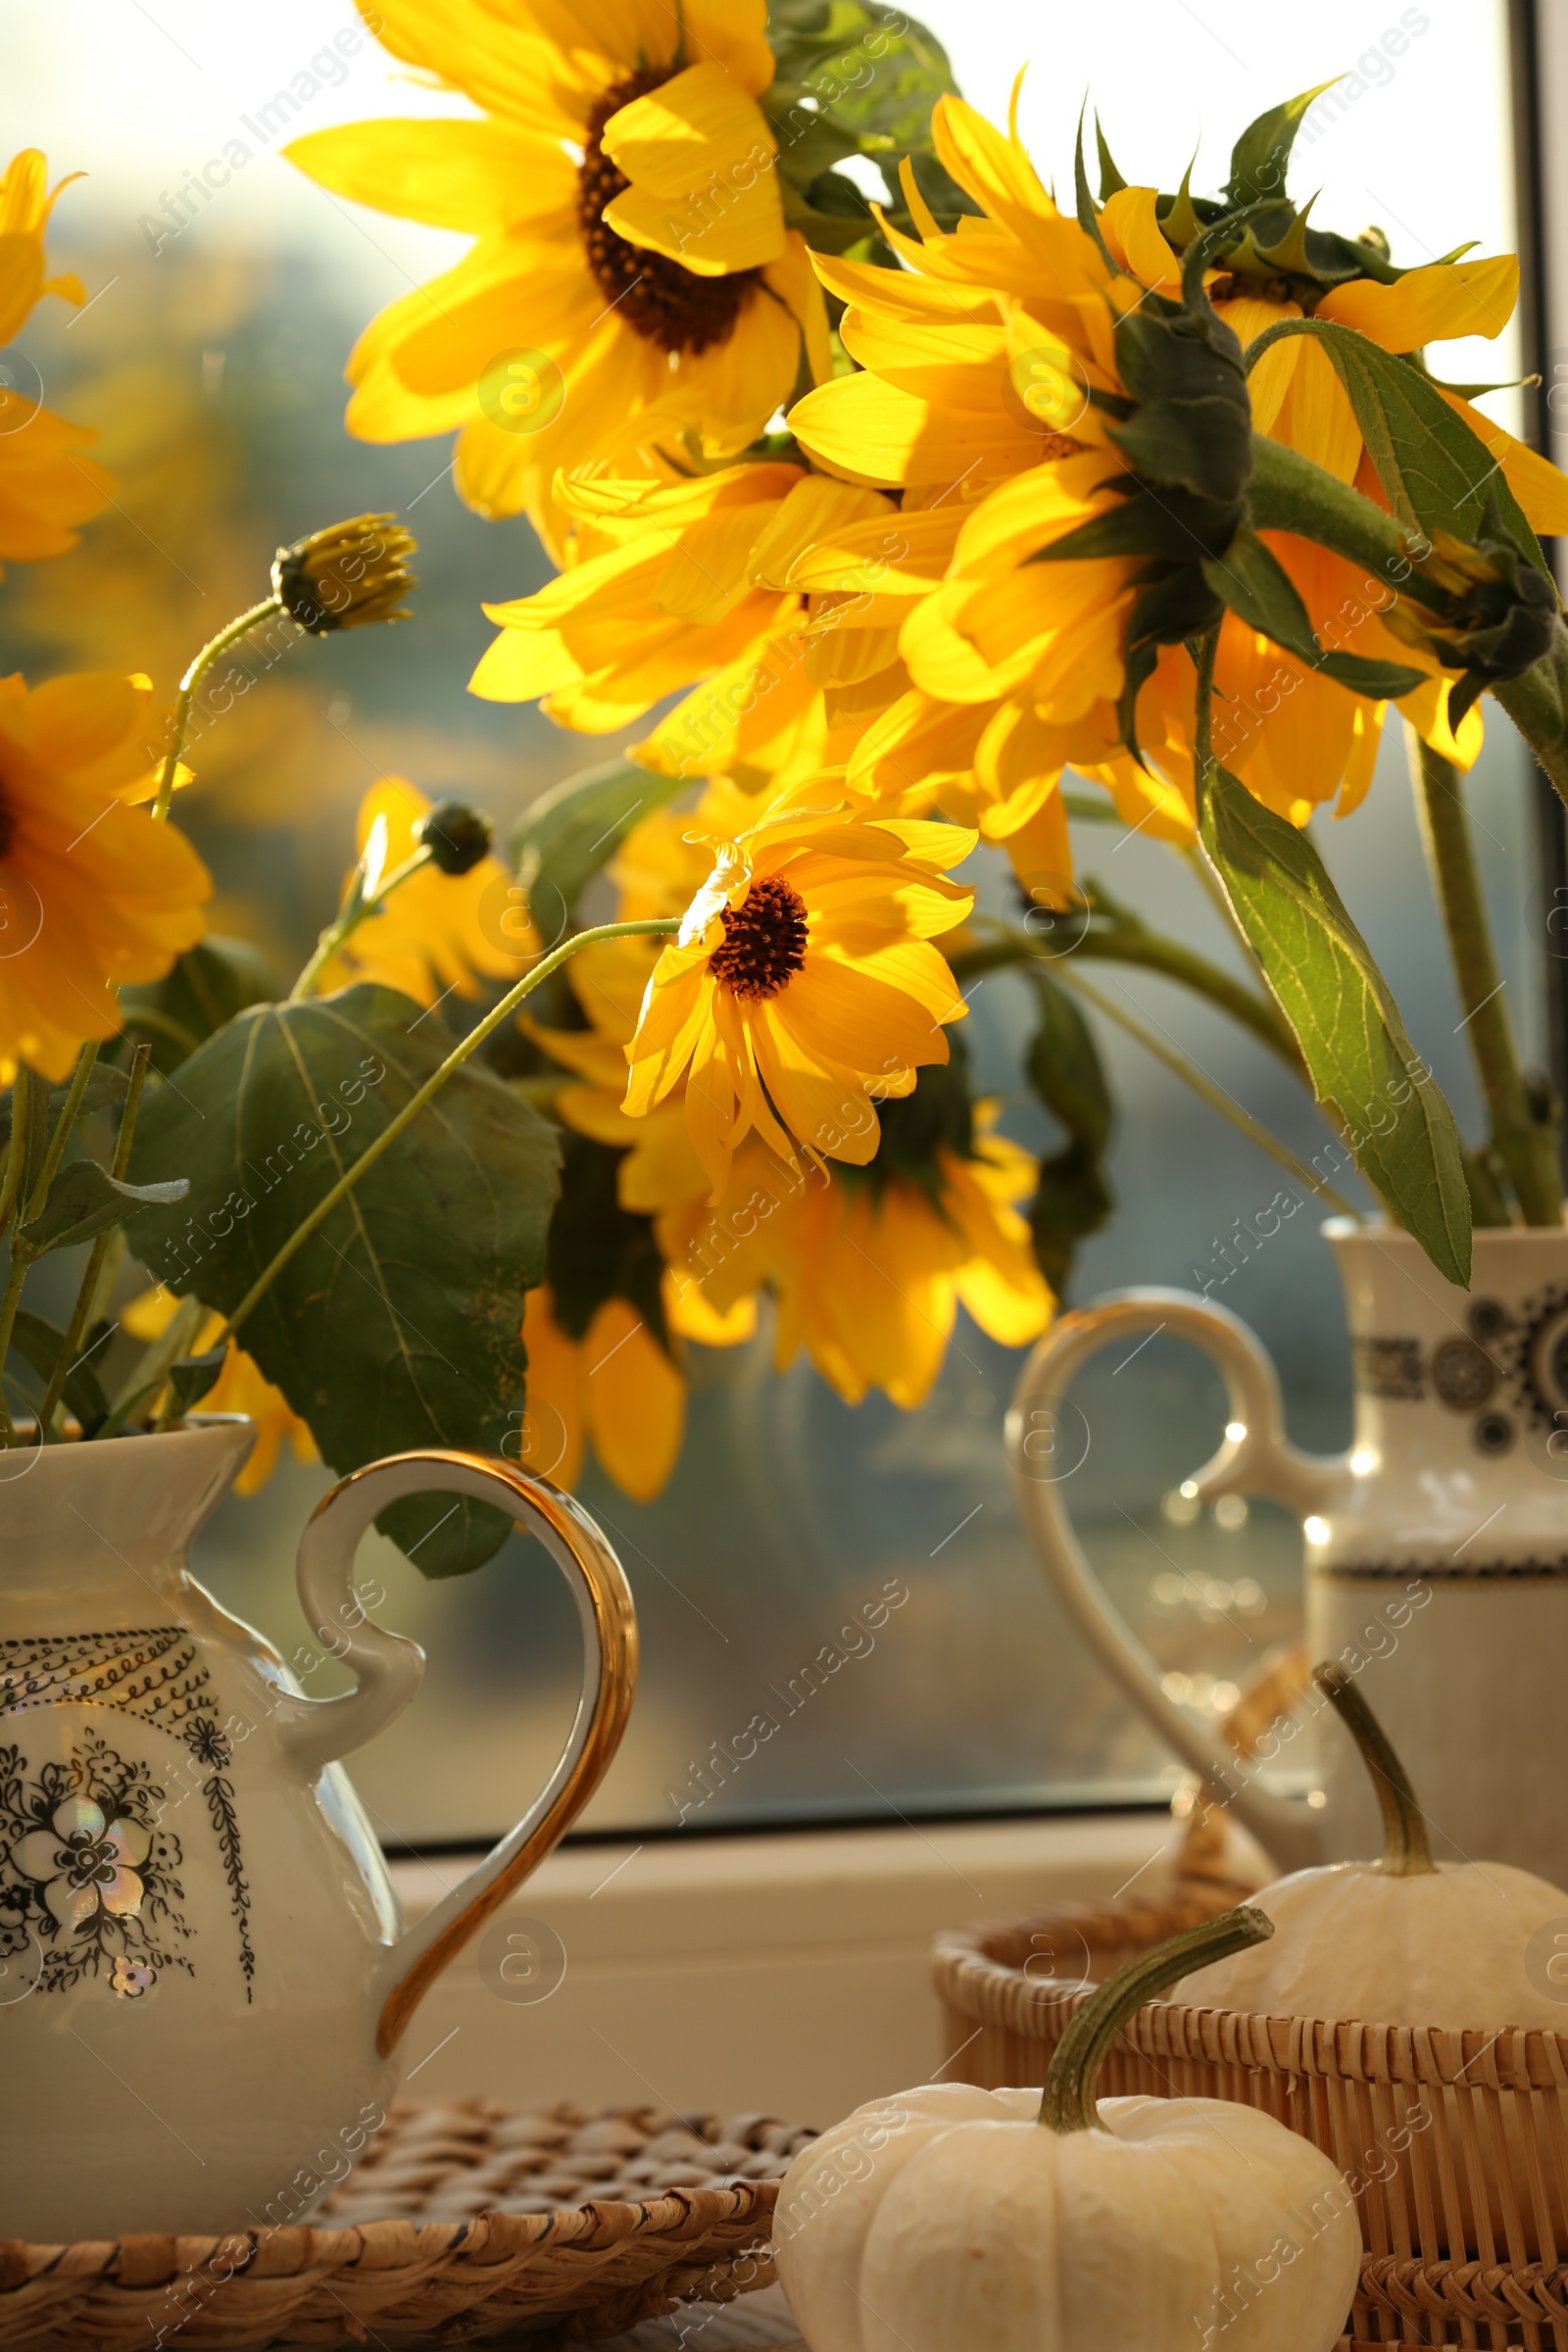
(22, 1101)
(350, 915)
(81, 1312)
(1525, 1141)
(655, 928)
(1203, 717)
(1208, 1091)
(188, 687)
(1406, 1855)
(1067, 2102)
(21, 1255)
(1129, 941)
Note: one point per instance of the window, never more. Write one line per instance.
(841, 1618)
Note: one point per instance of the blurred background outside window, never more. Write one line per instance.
(854, 1576)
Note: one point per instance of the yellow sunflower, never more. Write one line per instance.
(240, 1388)
(615, 1386)
(92, 893)
(874, 1274)
(803, 987)
(47, 486)
(691, 583)
(632, 277)
(438, 934)
(977, 366)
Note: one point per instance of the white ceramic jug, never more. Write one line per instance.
(1436, 1548)
(205, 1985)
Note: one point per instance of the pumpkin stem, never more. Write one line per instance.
(1407, 1853)
(1067, 2102)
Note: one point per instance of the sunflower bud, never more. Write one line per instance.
(347, 575)
(455, 836)
(1489, 612)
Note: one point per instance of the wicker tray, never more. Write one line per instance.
(1457, 2144)
(461, 2221)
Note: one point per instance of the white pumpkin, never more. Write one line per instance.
(1399, 1942)
(955, 2220)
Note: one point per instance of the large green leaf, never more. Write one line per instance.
(398, 1323)
(561, 841)
(1364, 1070)
(204, 987)
(1254, 583)
(1436, 473)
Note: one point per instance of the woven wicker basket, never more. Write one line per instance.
(1454, 2143)
(461, 2221)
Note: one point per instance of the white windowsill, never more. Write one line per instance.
(787, 1973)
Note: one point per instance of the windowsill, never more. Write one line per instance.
(787, 1973)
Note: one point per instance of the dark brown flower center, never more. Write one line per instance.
(660, 299)
(764, 941)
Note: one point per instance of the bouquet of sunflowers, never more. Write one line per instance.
(887, 518)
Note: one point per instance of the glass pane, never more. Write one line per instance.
(840, 1617)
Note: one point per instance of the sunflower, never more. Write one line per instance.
(241, 1387)
(875, 1273)
(92, 893)
(984, 367)
(802, 986)
(47, 486)
(438, 934)
(691, 584)
(632, 279)
(615, 1386)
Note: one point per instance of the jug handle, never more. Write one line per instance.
(1260, 1461)
(390, 1669)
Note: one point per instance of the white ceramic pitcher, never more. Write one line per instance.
(1436, 1548)
(206, 1987)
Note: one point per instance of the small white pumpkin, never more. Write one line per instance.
(1400, 1941)
(955, 2219)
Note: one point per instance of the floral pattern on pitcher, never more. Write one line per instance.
(88, 1873)
(86, 1880)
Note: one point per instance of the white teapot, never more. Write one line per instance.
(205, 1988)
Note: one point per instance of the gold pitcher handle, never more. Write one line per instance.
(324, 1728)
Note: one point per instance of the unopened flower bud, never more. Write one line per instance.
(455, 836)
(347, 575)
(1484, 610)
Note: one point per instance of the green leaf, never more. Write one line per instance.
(85, 1199)
(1260, 157)
(398, 1323)
(1436, 473)
(568, 833)
(206, 986)
(105, 1088)
(193, 1375)
(41, 1117)
(1252, 582)
(39, 1343)
(599, 1250)
(1073, 1199)
(1364, 1070)
(867, 74)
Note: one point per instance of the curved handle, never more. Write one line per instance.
(1256, 1456)
(391, 1668)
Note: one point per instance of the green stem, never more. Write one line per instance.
(1129, 942)
(1216, 1099)
(1067, 2102)
(81, 1312)
(1203, 717)
(655, 928)
(350, 915)
(1523, 1140)
(62, 1134)
(188, 687)
(1406, 1855)
(21, 1094)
